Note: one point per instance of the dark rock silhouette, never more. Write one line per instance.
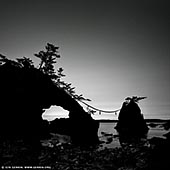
(25, 92)
(83, 131)
(130, 120)
(167, 125)
(160, 153)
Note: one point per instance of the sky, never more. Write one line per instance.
(109, 49)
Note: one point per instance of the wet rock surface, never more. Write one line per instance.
(159, 153)
(58, 152)
(68, 156)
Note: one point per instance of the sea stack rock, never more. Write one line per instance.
(131, 120)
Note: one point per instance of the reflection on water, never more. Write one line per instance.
(109, 136)
(108, 128)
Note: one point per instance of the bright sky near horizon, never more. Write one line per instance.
(109, 49)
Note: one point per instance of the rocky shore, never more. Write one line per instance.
(59, 153)
(144, 155)
(68, 156)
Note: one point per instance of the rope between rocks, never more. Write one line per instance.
(100, 110)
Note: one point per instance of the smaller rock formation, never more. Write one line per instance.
(130, 120)
(82, 131)
(167, 125)
(160, 153)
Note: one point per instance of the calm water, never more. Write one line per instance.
(108, 128)
(108, 135)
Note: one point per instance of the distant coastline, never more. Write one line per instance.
(147, 120)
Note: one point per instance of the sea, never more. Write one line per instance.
(109, 136)
(107, 133)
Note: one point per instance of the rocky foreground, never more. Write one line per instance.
(139, 156)
(89, 158)
(58, 153)
(67, 156)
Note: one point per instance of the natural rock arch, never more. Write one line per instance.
(26, 92)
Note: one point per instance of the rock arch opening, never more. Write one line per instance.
(54, 112)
